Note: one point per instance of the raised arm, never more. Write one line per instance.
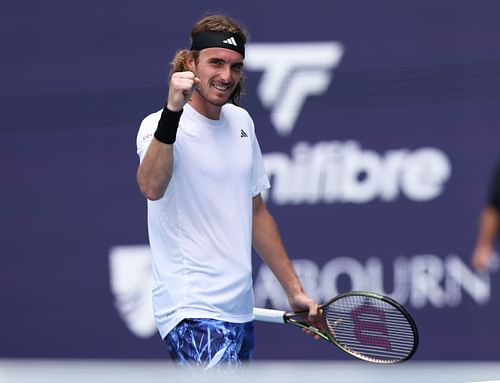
(155, 170)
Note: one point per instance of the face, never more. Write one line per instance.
(219, 70)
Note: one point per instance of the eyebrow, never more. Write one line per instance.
(216, 58)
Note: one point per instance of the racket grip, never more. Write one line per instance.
(268, 315)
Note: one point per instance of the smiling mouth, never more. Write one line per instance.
(222, 88)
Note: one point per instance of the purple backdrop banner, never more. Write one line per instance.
(379, 124)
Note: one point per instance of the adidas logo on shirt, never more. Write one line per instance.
(230, 41)
(243, 134)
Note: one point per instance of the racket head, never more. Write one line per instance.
(371, 327)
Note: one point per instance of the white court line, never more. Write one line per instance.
(161, 371)
(485, 381)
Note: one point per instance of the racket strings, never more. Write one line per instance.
(370, 328)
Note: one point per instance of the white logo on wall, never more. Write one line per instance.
(292, 72)
(332, 171)
(343, 172)
(131, 284)
(418, 281)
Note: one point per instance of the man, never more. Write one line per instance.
(489, 225)
(202, 172)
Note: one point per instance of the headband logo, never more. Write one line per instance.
(230, 41)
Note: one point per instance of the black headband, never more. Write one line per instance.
(226, 40)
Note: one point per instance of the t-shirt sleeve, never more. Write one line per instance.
(494, 196)
(146, 133)
(260, 180)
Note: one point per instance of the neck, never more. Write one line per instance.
(206, 109)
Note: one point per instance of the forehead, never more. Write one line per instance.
(228, 55)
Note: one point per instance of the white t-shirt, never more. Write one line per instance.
(200, 231)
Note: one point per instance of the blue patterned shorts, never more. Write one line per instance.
(211, 343)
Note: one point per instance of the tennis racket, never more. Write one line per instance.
(368, 326)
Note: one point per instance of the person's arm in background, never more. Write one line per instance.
(488, 230)
(489, 226)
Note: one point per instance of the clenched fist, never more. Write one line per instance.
(182, 85)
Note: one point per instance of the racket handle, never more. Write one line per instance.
(268, 315)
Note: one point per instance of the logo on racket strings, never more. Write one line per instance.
(370, 328)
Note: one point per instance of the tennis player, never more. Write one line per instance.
(202, 171)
